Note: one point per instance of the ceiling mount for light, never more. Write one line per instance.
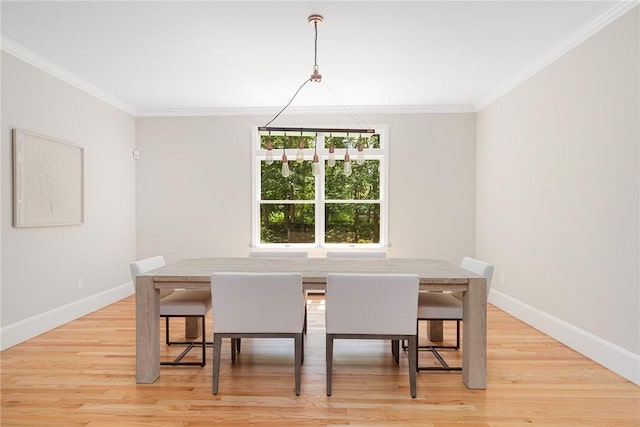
(315, 19)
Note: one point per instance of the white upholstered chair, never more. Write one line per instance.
(360, 254)
(257, 305)
(355, 254)
(179, 303)
(283, 254)
(448, 307)
(372, 306)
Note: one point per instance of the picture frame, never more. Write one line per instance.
(48, 181)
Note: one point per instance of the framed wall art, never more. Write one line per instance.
(48, 181)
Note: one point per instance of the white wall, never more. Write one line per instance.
(41, 266)
(558, 197)
(193, 183)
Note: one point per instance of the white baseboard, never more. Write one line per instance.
(615, 358)
(23, 330)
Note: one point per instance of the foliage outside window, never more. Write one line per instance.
(331, 209)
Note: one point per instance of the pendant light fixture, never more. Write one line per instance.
(315, 166)
(315, 20)
(285, 163)
(332, 152)
(347, 160)
(269, 157)
(360, 156)
(300, 152)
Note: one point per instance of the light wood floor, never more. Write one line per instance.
(83, 373)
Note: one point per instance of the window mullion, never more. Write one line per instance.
(320, 219)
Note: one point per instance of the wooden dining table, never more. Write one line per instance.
(195, 273)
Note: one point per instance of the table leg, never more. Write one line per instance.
(434, 330)
(147, 331)
(474, 338)
(192, 327)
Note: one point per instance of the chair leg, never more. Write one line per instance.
(298, 361)
(413, 363)
(415, 350)
(304, 327)
(166, 331)
(329, 362)
(189, 346)
(405, 346)
(217, 343)
(395, 348)
(233, 349)
(238, 344)
(434, 350)
(204, 342)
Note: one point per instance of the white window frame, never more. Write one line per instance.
(258, 154)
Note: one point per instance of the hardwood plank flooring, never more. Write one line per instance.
(83, 374)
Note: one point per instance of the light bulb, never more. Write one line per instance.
(360, 155)
(269, 157)
(332, 156)
(347, 165)
(315, 166)
(285, 166)
(300, 152)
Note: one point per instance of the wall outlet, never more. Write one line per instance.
(80, 283)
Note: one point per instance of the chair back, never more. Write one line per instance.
(145, 265)
(371, 304)
(294, 254)
(257, 302)
(480, 268)
(349, 254)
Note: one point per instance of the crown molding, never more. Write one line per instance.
(264, 111)
(55, 70)
(605, 18)
(49, 67)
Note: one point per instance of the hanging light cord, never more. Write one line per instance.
(315, 46)
(288, 103)
(315, 69)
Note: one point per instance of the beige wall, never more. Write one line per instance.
(41, 266)
(558, 191)
(193, 184)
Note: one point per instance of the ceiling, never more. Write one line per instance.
(147, 57)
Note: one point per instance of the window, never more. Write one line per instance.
(330, 209)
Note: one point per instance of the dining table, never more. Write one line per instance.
(195, 273)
